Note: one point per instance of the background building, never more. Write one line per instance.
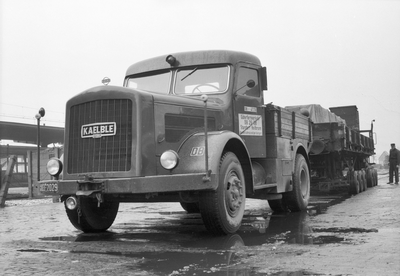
(21, 140)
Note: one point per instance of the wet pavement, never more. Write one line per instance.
(160, 239)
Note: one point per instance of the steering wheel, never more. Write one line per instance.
(200, 85)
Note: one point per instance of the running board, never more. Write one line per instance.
(265, 186)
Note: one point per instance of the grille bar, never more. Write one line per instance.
(107, 153)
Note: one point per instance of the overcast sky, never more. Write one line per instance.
(332, 53)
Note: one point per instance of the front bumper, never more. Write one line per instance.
(137, 185)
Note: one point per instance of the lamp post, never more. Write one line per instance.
(38, 116)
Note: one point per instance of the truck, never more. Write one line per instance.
(188, 127)
(340, 155)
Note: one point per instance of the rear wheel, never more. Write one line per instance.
(89, 217)
(352, 178)
(190, 207)
(376, 177)
(364, 179)
(278, 205)
(370, 178)
(360, 184)
(222, 210)
(298, 198)
(360, 181)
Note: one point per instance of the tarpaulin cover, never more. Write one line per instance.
(318, 114)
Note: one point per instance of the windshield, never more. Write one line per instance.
(194, 80)
(201, 80)
(157, 83)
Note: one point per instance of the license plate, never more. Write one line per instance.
(48, 187)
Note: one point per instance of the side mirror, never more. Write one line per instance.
(264, 83)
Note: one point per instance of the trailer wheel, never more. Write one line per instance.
(352, 178)
(222, 210)
(375, 173)
(298, 198)
(370, 178)
(361, 181)
(191, 208)
(93, 218)
(364, 179)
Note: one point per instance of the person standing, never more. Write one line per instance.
(394, 163)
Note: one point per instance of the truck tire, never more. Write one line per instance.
(370, 178)
(360, 181)
(278, 205)
(222, 210)
(376, 177)
(93, 218)
(297, 199)
(353, 182)
(190, 208)
(364, 179)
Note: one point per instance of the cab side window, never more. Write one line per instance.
(245, 75)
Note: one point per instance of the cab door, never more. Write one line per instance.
(249, 118)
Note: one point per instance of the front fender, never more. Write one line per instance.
(192, 151)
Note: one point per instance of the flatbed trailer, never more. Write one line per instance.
(340, 153)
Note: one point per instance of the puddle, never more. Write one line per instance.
(33, 250)
(327, 239)
(185, 263)
(345, 230)
(192, 263)
(259, 226)
(182, 246)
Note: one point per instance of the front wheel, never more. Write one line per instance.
(297, 199)
(90, 217)
(222, 210)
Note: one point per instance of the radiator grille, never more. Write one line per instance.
(105, 154)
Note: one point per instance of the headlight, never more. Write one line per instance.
(169, 159)
(54, 167)
(71, 203)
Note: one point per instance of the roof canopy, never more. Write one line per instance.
(27, 133)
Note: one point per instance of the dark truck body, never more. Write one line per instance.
(203, 113)
(340, 150)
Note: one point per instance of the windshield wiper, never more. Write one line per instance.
(194, 70)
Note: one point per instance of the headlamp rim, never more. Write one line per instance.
(60, 166)
(175, 161)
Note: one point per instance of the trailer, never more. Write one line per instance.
(340, 153)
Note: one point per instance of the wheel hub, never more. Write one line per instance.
(234, 194)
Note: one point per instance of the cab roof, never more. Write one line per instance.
(192, 58)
